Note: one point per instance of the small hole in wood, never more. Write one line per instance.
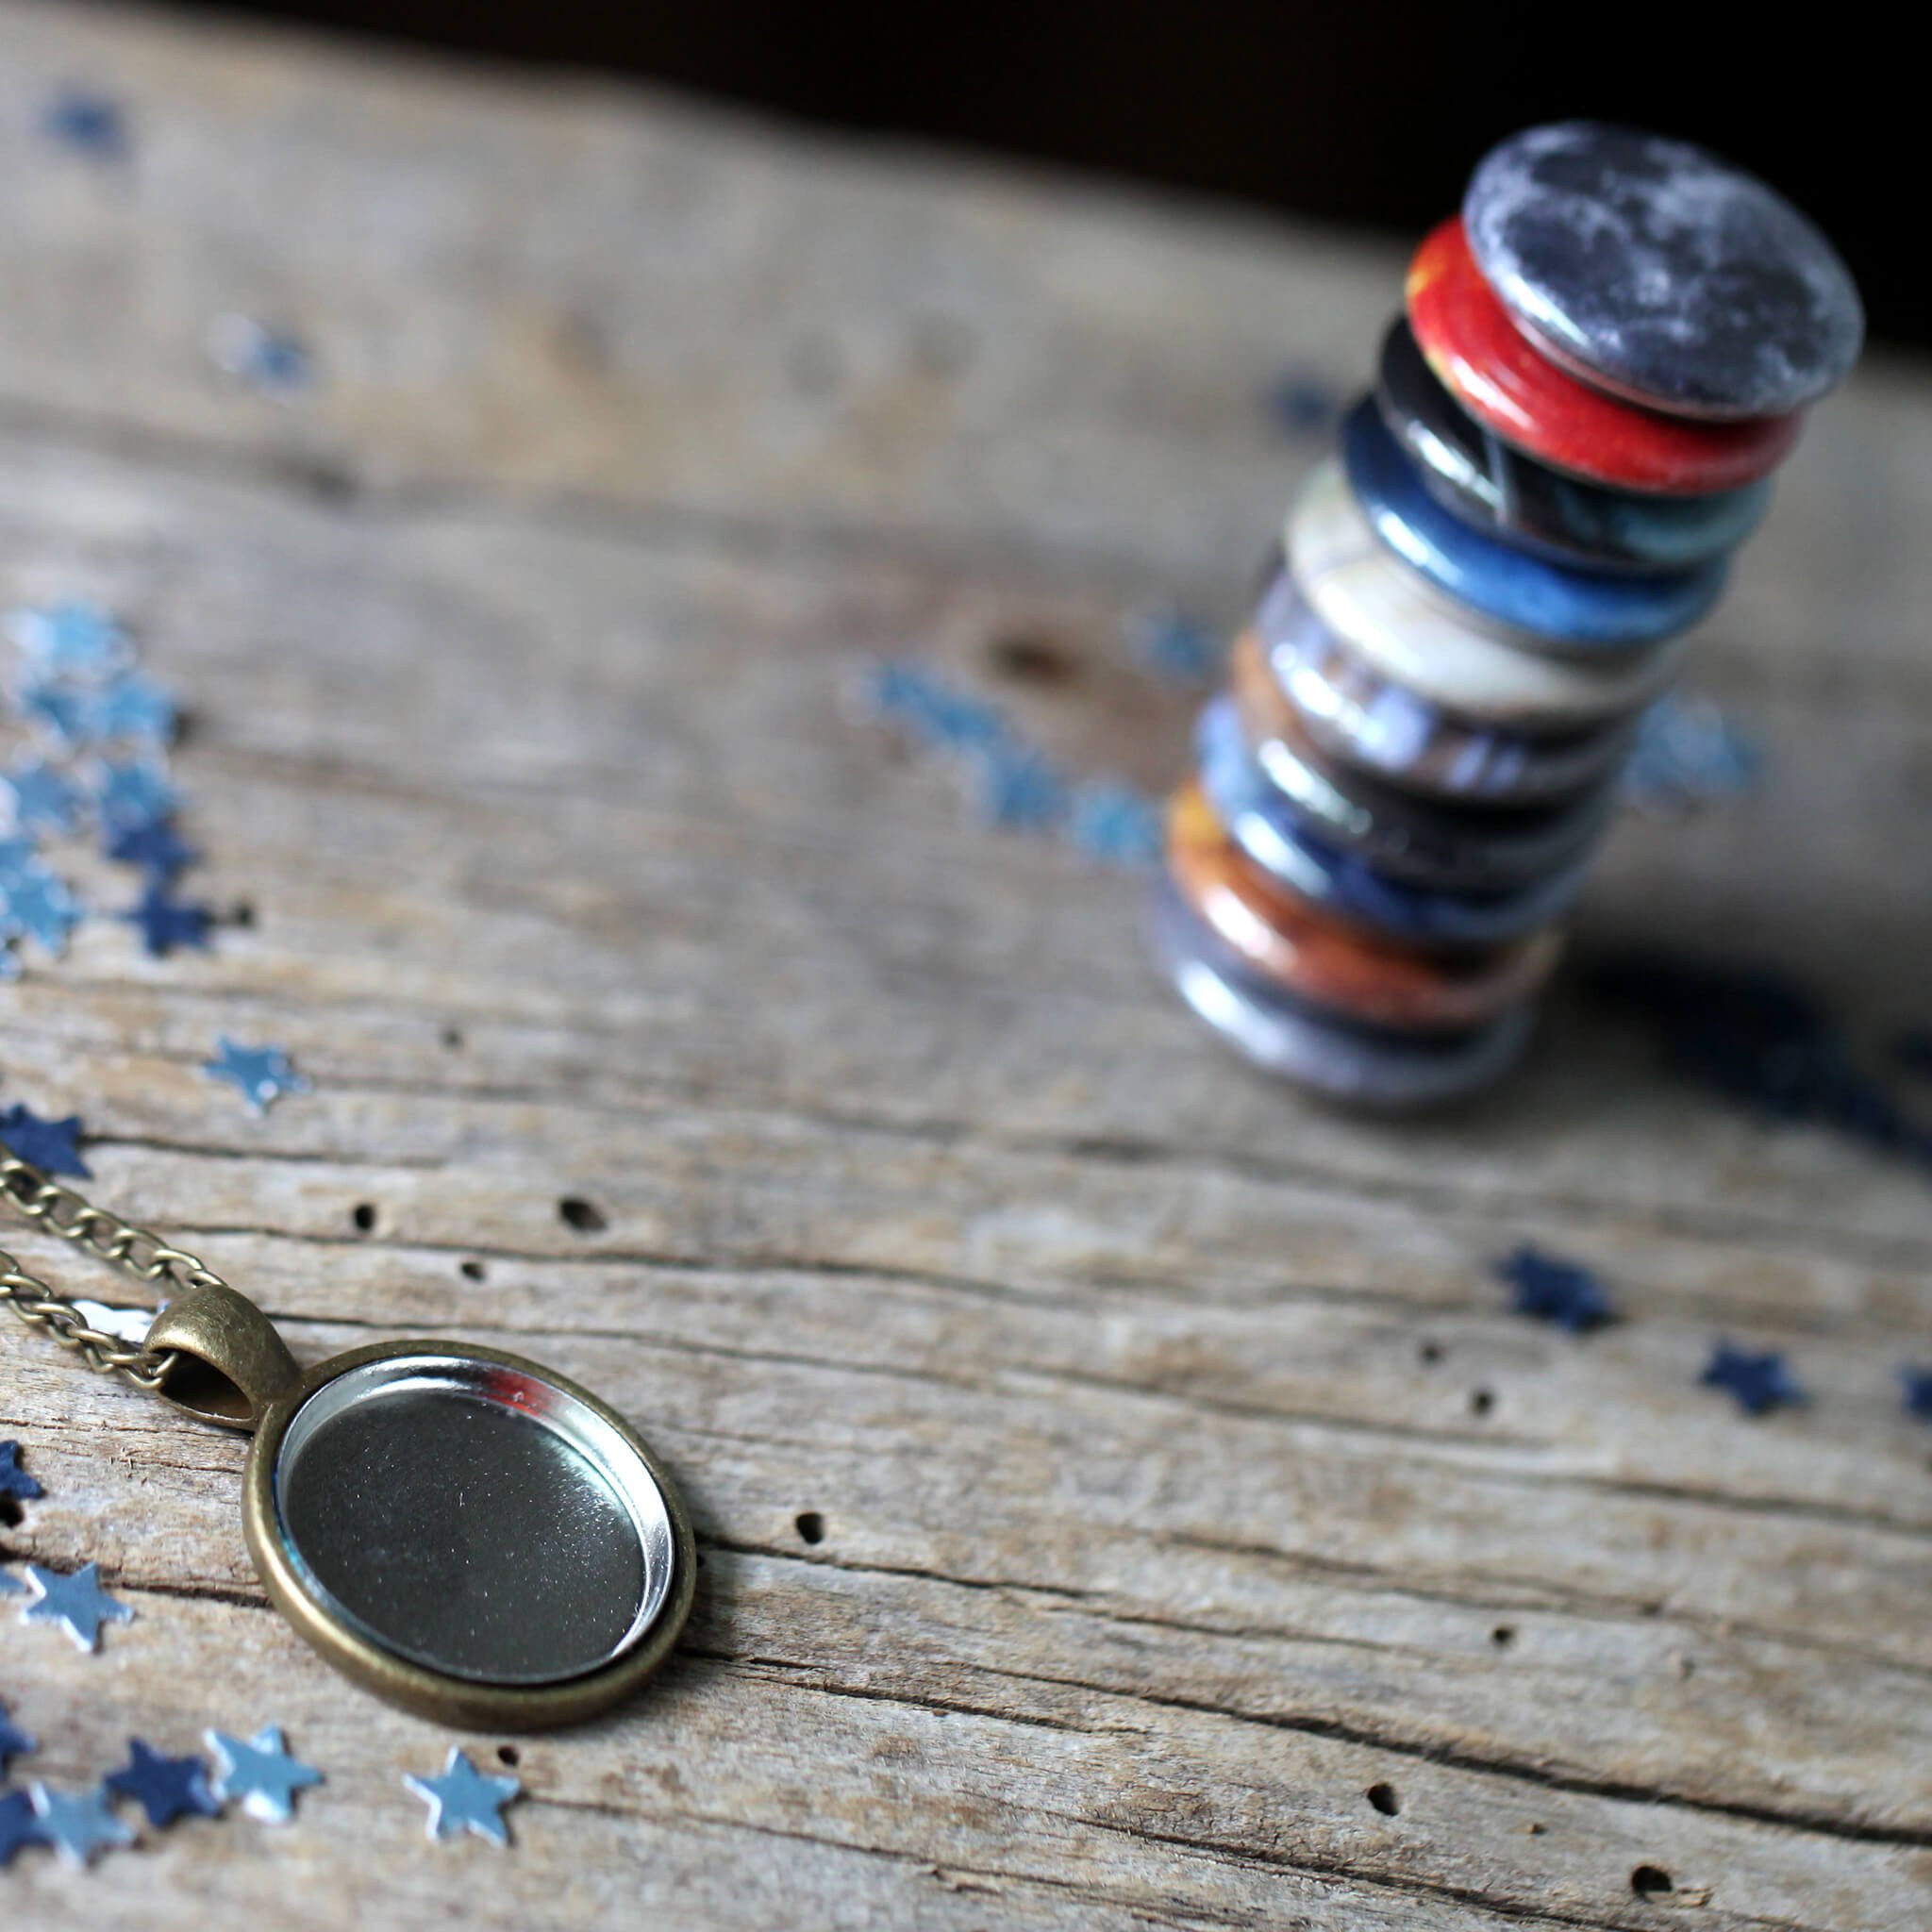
(811, 1527)
(472, 1271)
(10, 1512)
(1480, 1402)
(1647, 1881)
(1502, 1636)
(363, 1215)
(453, 1039)
(1029, 659)
(1429, 1353)
(1384, 1799)
(508, 1753)
(585, 1216)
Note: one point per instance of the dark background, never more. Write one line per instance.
(1363, 113)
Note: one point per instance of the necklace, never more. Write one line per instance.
(461, 1531)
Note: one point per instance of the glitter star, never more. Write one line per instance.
(77, 1602)
(53, 1147)
(1757, 1382)
(153, 845)
(62, 714)
(260, 1772)
(1551, 1289)
(78, 1824)
(465, 1799)
(71, 640)
(132, 790)
(132, 706)
(14, 1742)
(260, 1074)
(89, 123)
(1174, 648)
(1115, 824)
(1917, 1384)
(1019, 788)
(33, 901)
(274, 360)
(14, 1480)
(19, 1826)
(166, 923)
(165, 1787)
(38, 797)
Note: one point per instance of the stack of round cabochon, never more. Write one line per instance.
(1574, 423)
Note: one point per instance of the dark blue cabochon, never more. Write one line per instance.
(1480, 478)
(1568, 606)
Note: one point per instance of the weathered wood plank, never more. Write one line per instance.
(1181, 1478)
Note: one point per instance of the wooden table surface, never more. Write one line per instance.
(1182, 1477)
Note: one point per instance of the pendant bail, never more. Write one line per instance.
(229, 1362)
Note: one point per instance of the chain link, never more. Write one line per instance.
(110, 1239)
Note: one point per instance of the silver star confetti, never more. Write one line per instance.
(466, 1799)
(260, 1772)
(74, 1601)
(259, 1073)
(78, 1824)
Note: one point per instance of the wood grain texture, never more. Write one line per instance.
(1181, 1478)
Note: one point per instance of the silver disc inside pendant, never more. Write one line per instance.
(473, 1518)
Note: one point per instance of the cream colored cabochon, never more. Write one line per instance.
(1379, 607)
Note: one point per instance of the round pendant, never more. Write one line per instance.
(465, 1533)
(1662, 273)
(1510, 386)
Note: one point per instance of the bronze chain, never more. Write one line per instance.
(110, 1239)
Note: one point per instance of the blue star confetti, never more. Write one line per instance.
(39, 798)
(1916, 1392)
(71, 641)
(1688, 753)
(262, 1074)
(1548, 1289)
(76, 1601)
(277, 361)
(36, 904)
(1176, 648)
(131, 791)
(154, 846)
(1757, 1383)
(260, 1772)
(167, 924)
(164, 1788)
(132, 706)
(53, 1147)
(87, 122)
(15, 1482)
(1115, 824)
(20, 1825)
(465, 1799)
(1018, 788)
(58, 711)
(1303, 401)
(78, 1824)
(14, 1742)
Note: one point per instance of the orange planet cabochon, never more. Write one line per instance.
(1506, 384)
(1313, 957)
